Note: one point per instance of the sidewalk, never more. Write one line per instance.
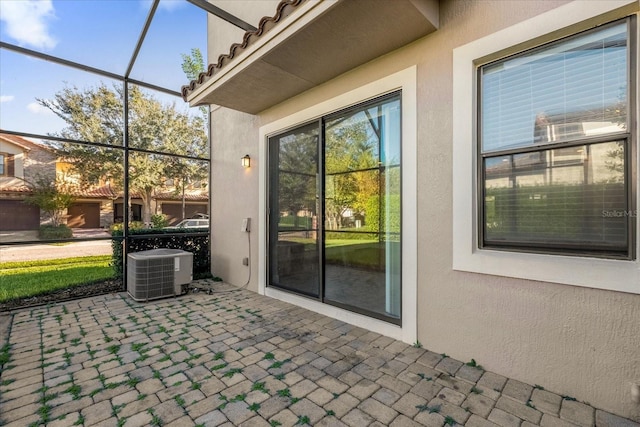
(44, 250)
(238, 358)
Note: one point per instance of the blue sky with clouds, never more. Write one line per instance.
(99, 33)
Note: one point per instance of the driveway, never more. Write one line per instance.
(238, 358)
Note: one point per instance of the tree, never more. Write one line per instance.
(185, 171)
(52, 197)
(95, 115)
(352, 177)
(615, 161)
(192, 66)
(348, 147)
(297, 173)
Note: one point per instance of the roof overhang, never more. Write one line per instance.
(315, 43)
(15, 140)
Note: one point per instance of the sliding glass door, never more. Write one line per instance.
(335, 209)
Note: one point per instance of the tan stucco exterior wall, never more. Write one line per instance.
(234, 196)
(19, 157)
(573, 341)
(223, 34)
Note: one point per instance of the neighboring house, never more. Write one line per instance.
(23, 162)
(170, 203)
(488, 150)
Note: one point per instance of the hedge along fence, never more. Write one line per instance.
(376, 211)
(558, 211)
(174, 239)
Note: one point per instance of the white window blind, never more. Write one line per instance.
(567, 90)
(555, 146)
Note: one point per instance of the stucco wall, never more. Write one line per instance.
(18, 158)
(222, 34)
(573, 341)
(30, 164)
(234, 196)
(39, 164)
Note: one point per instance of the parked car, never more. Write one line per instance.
(190, 223)
(200, 216)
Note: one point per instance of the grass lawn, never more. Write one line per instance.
(364, 254)
(350, 252)
(22, 279)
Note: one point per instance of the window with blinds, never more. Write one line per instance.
(555, 147)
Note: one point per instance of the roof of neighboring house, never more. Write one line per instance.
(107, 192)
(191, 195)
(23, 142)
(284, 8)
(104, 192)
(13, 185)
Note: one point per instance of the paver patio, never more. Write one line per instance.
(239, 358)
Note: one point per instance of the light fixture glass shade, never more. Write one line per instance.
(246, 161)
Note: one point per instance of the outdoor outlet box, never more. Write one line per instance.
(245, 261)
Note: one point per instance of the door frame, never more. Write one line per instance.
(275, 170)
(406, 81)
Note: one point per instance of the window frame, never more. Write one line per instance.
(559, 269)
(626, 137)
(4, 157)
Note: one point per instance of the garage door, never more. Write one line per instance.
(84, 215)
(16, 215)
(174, 211)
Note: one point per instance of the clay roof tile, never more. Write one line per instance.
(284, 8)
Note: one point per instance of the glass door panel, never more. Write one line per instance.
(362, 209)
(294, 252)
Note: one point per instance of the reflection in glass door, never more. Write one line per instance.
(362, 209)
(294, 252)
(349, 256)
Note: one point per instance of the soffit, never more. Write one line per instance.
(334, 38)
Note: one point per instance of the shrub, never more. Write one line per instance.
(133, 225)
(169, 239)
(52, 232)
(345, 235)
(376, 222)
(159, 221)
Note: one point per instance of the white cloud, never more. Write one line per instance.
(6, 98)
(27, 22)
(171, 5)
(36, 108)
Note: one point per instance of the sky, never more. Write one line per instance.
(98, 33)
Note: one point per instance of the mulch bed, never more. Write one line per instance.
(80, 291)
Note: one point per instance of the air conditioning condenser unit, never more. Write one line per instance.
(158, 273)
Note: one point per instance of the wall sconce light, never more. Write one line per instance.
(246, 161)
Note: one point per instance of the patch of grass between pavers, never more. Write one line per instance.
(5, 354)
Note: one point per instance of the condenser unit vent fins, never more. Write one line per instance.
(158, 273)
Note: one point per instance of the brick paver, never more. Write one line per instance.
(238, 358)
